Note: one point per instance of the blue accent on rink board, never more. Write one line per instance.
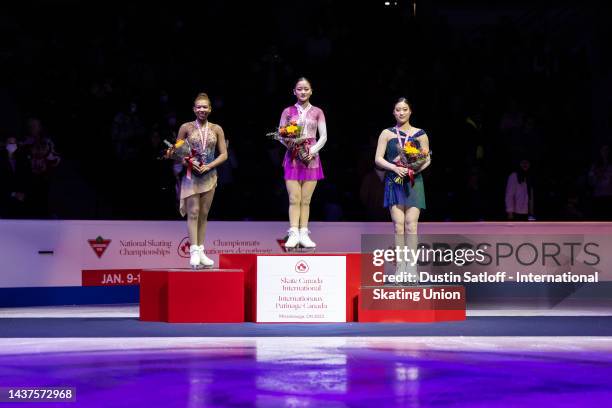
(68, 295)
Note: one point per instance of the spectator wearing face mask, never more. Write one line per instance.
(15, 172)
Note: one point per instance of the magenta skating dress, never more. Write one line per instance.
(311, 119)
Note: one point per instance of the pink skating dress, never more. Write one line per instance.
(312, 120)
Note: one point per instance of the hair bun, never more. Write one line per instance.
(202, 95)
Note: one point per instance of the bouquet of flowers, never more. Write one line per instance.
(182, 151)
(412, 158)
(291, 136)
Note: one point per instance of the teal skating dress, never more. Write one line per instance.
(403, 194)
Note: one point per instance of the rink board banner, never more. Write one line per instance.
(111, 277)
(53, 253)
(302, 289)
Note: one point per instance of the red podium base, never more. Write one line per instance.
(421, 304)
(192, 296)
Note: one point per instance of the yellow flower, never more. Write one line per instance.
(291, 129)
(409, 148)
(179, 143)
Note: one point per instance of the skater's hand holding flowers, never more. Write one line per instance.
(410, 160)
(400, 171)
(192, 163)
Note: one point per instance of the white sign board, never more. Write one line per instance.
(301, 289)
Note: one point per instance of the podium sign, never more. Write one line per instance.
(301, 289)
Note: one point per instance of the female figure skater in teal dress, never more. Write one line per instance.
(405, 199)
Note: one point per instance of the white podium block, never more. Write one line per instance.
(301, 288)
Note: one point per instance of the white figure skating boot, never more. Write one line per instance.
(205, 261)
(293, 239)
(194, 261)
(305, 240)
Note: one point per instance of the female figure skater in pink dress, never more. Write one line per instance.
(302, 173)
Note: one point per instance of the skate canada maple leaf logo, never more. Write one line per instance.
(301, 266)
(99, 245)
(183, 248)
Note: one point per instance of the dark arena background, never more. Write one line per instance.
(99, 304)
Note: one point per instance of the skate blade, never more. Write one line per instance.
(301, 249)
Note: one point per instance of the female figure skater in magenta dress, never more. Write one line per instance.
(302, 171)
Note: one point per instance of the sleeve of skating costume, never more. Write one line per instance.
(322, 130)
